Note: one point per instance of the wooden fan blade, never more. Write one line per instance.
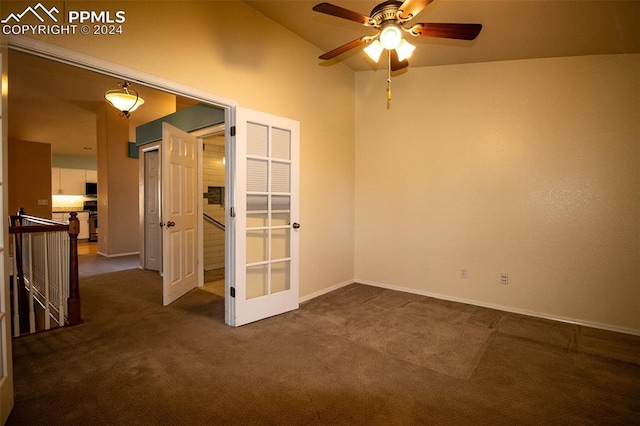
(455, 31)
(341, 12)
(411, 8)
(345, 47)
(396, 64)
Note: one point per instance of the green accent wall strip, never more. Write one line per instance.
(189, 119)
(133, 150)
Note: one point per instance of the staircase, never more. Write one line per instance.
(45, 290)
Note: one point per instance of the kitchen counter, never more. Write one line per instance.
(68, 210)
(83, 218)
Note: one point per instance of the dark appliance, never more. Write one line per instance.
(91, 189)
(92, 207)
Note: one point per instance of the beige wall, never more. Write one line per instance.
(30, 177)
(229, 49)
(529, 168)
(117, 186)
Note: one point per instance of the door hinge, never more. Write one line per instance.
(232, 212)
(232, 291)
(232, 130)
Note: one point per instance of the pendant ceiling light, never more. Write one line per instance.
(125, 99)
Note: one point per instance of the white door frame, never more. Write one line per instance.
(216, 129)
(70, 57)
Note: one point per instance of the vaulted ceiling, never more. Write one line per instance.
(512, 29)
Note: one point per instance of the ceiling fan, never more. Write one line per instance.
(389, 18)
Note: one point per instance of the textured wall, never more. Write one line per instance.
(529, 168)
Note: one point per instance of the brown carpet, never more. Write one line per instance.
(359, 355)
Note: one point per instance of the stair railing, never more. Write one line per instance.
(213, 221)
(45, 272)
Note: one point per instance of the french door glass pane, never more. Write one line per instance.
(257, 203)
(281, 144)
(257, 220)
(257, 248)
(280, 276)
(280, 244)
(257, 140)
(280, 203)
(280, 177)
(257, 281)
(280, 219)
(257, 175)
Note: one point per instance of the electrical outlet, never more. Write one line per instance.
(504, 279)
(464, 273)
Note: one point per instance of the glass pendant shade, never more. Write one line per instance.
(404, 50)
(374, 50)
(390, 36)
(124, 99)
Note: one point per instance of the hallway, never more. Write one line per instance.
(91, 263)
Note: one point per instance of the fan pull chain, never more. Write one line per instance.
(389, 80)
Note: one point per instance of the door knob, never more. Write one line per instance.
(161, 224)
(170, 224)
(296, 225)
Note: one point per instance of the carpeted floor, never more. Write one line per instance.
(359, 355)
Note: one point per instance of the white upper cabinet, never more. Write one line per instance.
(71, 181)
(92, 176)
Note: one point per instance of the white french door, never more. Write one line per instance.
(179, 213)
(266, 208)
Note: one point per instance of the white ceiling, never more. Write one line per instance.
(45, 96)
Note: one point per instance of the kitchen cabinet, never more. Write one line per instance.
(60, 217)
(71, 181)
(83, 218)
(91, 176)
(67, 181)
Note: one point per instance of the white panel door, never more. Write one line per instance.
(6, 367)
(179, 213)
(152, 230)
(266, 204)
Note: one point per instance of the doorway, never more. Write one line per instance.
(262, 236)
(212, 237)
(213, 212)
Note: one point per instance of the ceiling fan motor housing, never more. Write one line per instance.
(385, 11)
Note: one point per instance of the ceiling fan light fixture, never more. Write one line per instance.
(374, 50)
(125, 100)
(390, 36)
(405, 50)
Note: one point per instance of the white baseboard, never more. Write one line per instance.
(119, 254)
(510, 309)
(324, 291)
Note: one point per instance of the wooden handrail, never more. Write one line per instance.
(214, 221)
(45, 225)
